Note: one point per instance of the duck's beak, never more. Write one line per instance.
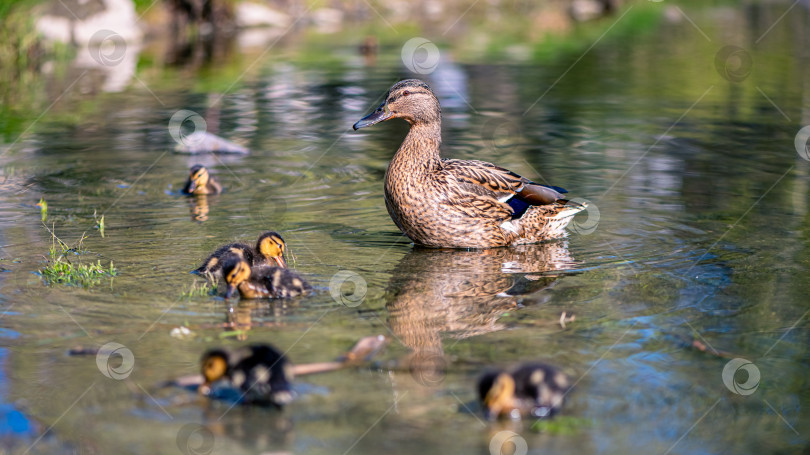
(380, 114)
(280, 261)
(192, 185)
(231, 290)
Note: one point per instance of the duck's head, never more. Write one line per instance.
(214, 366)
(411, 100)
(497, 393)
(272, 246)
(197, 179)
(235, 270)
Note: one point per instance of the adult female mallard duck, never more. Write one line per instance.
(530, 389)
(200, 182)
(262, 281)
(453, 203)
(269, 247)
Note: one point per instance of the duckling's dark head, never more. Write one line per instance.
(272, 247)
(235, 270)
(410, 99)
(197, 179)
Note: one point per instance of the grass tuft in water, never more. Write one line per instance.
(43, 209)
(84, 275)
(60, 270)
(200, 289)
(99, 224)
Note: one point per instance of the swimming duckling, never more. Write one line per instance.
(270, 246)
(200, 182)
(530, 389)
(262, 281)
(260, 373)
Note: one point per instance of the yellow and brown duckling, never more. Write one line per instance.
(201, 182)
(258, 372)
(269, 247)
(262, 281)
(531, 389)
(452, 203)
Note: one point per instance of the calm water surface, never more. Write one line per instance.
(695, 253)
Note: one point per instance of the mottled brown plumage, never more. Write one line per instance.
(459, 203)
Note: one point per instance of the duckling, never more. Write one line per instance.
(200, 182)
(451, 203)
(261, 282)
(530, 389)
(260, 373)
(270, 246)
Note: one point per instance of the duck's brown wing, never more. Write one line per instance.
(482, 178)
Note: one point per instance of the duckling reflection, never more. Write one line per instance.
(250, 313)
(464, 293)
(251, 429)
(198, 207)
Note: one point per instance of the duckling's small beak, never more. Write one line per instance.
(231, 290)
(380, 114)
(280, 261)
(192, 185)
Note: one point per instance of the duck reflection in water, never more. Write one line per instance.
(247, 314)
(198, 207)
(457, 293)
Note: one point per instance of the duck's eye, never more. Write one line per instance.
(406, 93)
